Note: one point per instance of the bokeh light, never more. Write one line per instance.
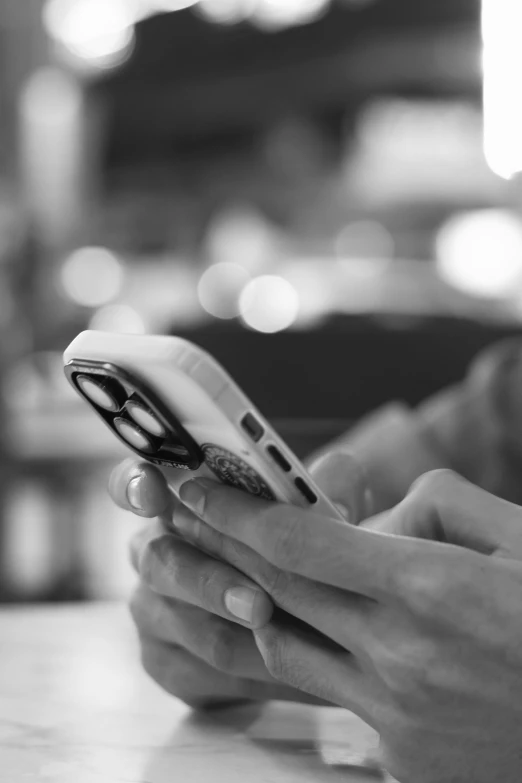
(50, 98)
(316, 284)
(502, 63)
(480, 253)
(118, 318)
(98, 32)
(269, 304)
(92, 276)
(241, 235)
(276, 14)
(267, 14)
(166, 6)
(52, 151)
(226, 11)
(220, 287)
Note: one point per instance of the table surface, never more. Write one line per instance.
(75, 706)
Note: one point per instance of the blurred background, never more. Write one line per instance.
(323, 193)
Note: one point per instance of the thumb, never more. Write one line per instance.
(443, 506)
(141, 488)
(343, 479)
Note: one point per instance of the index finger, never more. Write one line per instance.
(299, 541)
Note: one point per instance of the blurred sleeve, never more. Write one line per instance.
(474, 428)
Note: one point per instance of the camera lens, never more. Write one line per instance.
(146, 419)
(133, 435)
(103, 392)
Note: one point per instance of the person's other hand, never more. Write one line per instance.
(415, 627)
(195, 614)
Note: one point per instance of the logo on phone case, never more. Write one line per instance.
(235, 472)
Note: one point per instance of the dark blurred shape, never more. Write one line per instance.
(348, 367)
(189, 80)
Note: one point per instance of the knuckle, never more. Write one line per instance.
(413, 673)
(424, 585)
(158, 558)
(434, 482)
(136, 607)
(154, 616)
(161, 548)
(177, 672)
(422, 668)
(389, 664)
(162, 665)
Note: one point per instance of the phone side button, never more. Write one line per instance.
(279, 458)
(252, 427)
(305, 490)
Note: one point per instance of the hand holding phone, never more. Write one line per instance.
(173, 405)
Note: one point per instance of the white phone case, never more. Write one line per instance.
(211, 408)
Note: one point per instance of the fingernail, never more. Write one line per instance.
(240, 603)
(192, 494)
(135, 494)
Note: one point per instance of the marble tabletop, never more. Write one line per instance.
(75, 707)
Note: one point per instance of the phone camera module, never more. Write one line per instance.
(105, 392)
(146, 419)
(178, 451)
(134, 436)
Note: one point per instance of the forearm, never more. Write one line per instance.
(477, 426)
(474, 428)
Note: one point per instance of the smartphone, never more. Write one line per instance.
(173, 405)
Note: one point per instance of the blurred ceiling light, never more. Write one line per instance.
(92, 276)
(226, 11)
(275, 14)
(365, 239)
(50, 98)
(118, 318)
(316, 284)
(165, 6)
(220, 287)
(269, 304)
(480, 253)
(502, 62)
(268, 14)
(51, 149)
(98, 32)
(241, 235)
